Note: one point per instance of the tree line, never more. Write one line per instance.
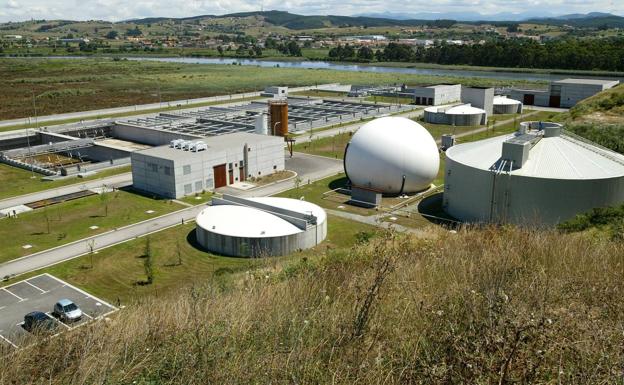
(590, 54)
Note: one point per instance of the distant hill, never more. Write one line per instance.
(297, 22)
(590, 20)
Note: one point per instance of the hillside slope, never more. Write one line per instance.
(478, 306)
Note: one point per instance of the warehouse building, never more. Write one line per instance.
(541, 175)
(564, 93)
(258, 227)
(186, 167)
(435, 95)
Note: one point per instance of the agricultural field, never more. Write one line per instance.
(66, 85)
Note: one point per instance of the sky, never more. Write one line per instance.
(116, 10)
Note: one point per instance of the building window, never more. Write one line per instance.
(167, 170)
(186, 169)
(198, 186)
(209, 183)
(188, 188)
(274, 167)
(153, 167)
(230, 166)
(241, 164)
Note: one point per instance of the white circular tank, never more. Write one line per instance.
(392, 155)
(263, 226)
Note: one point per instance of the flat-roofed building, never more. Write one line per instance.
(435, 95)
(193, 166)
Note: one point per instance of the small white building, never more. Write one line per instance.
(435, 94)
(184, 167)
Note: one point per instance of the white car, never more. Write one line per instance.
(67, 311)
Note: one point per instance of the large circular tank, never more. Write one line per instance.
(541, 175)
(505, 105)
(257, 227)
(392, 155)
(460, 115)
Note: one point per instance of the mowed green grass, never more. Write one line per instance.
(117, 272)
(62, 223)
(16, 181)
(66, 85)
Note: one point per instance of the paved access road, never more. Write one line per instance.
(308, 167)
(118, 181)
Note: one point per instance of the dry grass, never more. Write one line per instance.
(479, 307)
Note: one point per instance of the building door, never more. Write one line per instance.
(231, 176)
(219, 176)
(554, 101)
(242, 174)
(529, 99)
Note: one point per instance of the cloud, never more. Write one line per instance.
(116, 10)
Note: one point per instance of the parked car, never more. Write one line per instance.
(38, 322)
(67, 311)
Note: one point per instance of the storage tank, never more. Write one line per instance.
(261, 124)
(278, 112)
(256, 227)
(460, 115)
(505, 105)
(392, 155)
(541, 175)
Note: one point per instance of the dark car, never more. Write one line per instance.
(39, 322)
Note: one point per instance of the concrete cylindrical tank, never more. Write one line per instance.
(278, 117)
(261, 125)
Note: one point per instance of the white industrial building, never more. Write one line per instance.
(541, 175)
(435, 94)
(505, 105)
(390, 156)
(185, 167)
(256, 227)
(459, 115)
(563, 93)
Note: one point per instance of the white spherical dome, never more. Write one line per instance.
(384, 150)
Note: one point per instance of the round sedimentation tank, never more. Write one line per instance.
(541, 175)
(461, 115)
(258, 227)
(505, 105)
(392, 155)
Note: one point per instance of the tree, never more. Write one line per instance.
(111, 35)
(220, 50)
(513, 28)
(258, 50)
(270, 43)
(134, 32)
(293, 49)
(104, 200)
(148, 263)
(365, 53)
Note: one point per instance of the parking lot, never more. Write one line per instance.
(40, 293)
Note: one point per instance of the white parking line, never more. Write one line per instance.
(36, 287)
(14, 295)
(83, 313)
(7, 341)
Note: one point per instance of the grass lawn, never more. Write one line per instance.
(16, 181)
(197, 199)
(117, 271)
(331, 147)
(55, 225)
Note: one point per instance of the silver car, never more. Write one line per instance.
(67, 311)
